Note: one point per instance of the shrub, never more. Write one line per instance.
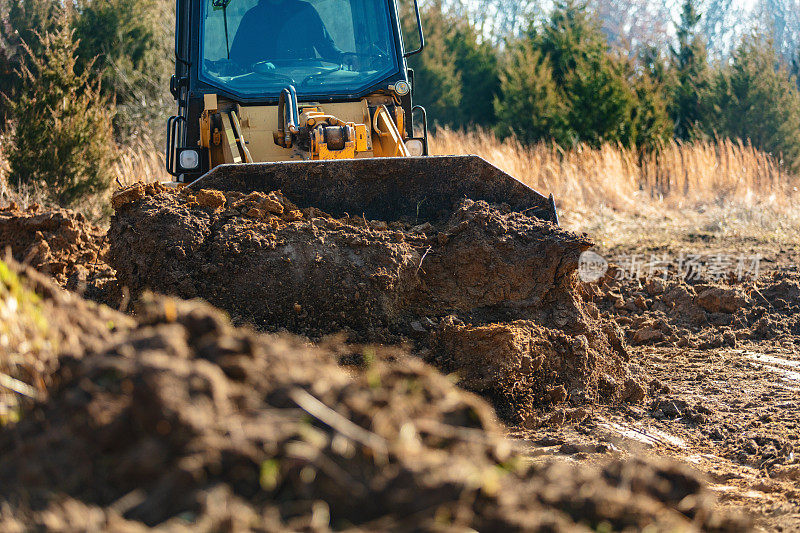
(61, 139)
(23, 20)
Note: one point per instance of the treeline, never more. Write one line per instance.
(561, 81)
(122, 46)
(79, 78)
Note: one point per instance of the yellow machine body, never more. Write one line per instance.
(235, 133)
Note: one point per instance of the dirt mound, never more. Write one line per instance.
(60, 243)
(276, 266)
(664, 312)
(188, 422)
(39, 321)
(521, 364)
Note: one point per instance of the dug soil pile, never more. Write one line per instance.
(186, 422)
(60, 243)
(482, 291)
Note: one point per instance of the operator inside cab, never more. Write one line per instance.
(256, 48)
(283, 30)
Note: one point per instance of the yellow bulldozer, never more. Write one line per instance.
(315, 98)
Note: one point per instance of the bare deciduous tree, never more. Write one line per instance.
(630, 24)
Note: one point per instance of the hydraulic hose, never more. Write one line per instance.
(288, 113)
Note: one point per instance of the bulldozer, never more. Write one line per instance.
(315, 98)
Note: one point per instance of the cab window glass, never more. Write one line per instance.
(258, 47)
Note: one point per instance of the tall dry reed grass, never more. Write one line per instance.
(676, 176)
(142, 160)
(3, 164)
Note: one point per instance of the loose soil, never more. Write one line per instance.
(722, 360)
(482, 292)
(35, 331)
(182, 421)
(60, 243)
(703, 373)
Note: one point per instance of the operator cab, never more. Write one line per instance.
(325, 48)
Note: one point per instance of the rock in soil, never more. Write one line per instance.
(183, 421)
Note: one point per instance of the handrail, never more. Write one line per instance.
(419, 30)
(424, 126)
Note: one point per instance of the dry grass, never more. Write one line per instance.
(725, 190)
(3, 167)
(677, 176)
(140, 161)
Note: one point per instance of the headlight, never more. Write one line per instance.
(189, 159)
(402, 88)
(415, 147)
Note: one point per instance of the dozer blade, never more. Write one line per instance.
(416, 188)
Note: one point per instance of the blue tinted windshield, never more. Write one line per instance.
(319, 46)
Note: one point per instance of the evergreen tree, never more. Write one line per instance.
(457, 74)
(127, 42)
(27, 19)
(651, 79)
(436, 78)
(755, 99)
(596, 101)
(61, 136)
(601, 102)
(692, 75)
(651, 122)
(477, 66)
(569, 36)
(24, 20)
(530, 105)
(652, 63)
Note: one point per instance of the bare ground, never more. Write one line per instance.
(722, 357)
